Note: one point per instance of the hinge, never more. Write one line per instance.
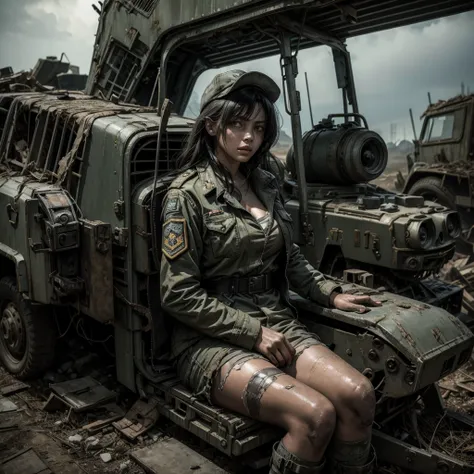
(119, 209)
(121, 236)
(102, 237)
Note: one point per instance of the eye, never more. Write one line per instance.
(260, 128)
(237, 123)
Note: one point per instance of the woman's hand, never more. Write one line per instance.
(346, 302)
(275, 347)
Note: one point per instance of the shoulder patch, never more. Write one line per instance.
(172, 205)
(175, 237)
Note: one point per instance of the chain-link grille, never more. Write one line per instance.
(143, 6)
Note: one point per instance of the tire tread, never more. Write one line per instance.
(40, 330)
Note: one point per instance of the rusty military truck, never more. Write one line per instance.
(333, 202)
(441, 168)
(83, 175)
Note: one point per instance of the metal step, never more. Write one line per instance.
(173, 457)
(228, 432)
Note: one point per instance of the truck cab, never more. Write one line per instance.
(447, 133)
(442, 165)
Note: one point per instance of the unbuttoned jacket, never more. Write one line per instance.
(217, 244)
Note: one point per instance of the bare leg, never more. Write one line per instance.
(306, 415)
(349, 391)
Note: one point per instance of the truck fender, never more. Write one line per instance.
(417, 173)
(20, 267)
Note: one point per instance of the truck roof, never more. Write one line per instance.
(452, 103)
(339, 18)
(136, 38)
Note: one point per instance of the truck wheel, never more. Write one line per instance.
(432, 190)
(27, 333)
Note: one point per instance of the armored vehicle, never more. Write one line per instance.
(82, 181)
(363, 233)
(441, 169)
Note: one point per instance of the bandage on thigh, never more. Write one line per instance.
(257, 386)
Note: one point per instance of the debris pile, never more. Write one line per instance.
(460, 271)
(448, 437)
(81, 410)
(454, 437)
(457, 389)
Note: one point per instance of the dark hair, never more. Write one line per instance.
(238, 104)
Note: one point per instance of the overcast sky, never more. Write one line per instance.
(393, 69)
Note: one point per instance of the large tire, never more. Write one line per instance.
(432, 189)
(27, 333)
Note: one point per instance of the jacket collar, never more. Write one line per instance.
(259, 178)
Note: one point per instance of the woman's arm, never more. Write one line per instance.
(308, 282)
(182, 295)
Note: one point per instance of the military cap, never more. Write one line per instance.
(229, 81)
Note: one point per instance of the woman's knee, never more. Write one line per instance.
(360, 399)
(316, 420)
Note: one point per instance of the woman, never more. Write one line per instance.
(228, 262)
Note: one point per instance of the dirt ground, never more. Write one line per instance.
(58, 436)
(50, 433)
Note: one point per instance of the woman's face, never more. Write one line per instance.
(242, 138)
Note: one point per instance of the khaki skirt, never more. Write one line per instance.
(198, 365)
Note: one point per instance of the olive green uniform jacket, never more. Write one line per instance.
(206, 237)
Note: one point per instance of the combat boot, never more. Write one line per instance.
(340, 468)
(283, 462)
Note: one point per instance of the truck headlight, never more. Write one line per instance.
(421, 234)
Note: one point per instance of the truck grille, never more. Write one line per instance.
(142, 165)
(37, 141)
(142, 6)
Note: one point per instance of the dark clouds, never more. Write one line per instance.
(16, 18)
(32, 29)
(396, 73)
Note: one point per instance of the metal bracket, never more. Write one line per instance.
(12, 215)
(38, 247)
(376, 246)
(121, 236)
(359, 277)
(119, 209)
(102, 237)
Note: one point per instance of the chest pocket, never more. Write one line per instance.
(222, 234)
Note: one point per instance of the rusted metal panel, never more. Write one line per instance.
(97, 270)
